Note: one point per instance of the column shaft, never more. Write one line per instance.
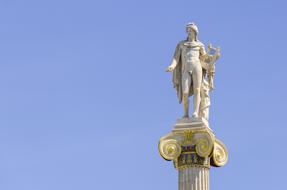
(193, 178)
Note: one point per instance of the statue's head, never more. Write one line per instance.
(192, 30)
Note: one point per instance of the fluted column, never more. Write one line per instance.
(193, 178)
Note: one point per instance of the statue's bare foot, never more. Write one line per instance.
(194, 115)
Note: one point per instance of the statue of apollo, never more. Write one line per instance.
(193, 72)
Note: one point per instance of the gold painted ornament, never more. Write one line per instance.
(169, 149)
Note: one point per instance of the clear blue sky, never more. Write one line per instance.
(85, 96)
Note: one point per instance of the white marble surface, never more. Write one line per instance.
(193, 72)
(194, 178)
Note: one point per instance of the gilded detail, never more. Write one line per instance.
(220, 154)
(193, 147)
(189, 158)
(187, 137)
(169, 149)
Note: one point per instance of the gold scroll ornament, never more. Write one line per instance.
(204, 144)
(220, 155)
(169, 149)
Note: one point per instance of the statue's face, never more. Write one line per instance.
(190, 31)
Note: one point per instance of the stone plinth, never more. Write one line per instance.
(193, 148)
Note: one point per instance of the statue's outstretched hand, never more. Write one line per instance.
(170, 68)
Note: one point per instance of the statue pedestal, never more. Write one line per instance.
(193, 148)
(190, 124)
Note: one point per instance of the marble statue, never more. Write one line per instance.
(193, 72)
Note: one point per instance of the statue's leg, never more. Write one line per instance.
(186, 80)
(185, 105)
(197, 79)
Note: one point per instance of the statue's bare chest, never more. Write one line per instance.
(190, 53)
